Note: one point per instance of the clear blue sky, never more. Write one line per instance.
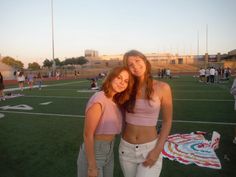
(115, 26)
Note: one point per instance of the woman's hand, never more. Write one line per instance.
(151, 158)
(92, 172)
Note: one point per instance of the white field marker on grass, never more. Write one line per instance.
(87, 91)
(17, 107)
(83, 116)
(1, 115)
(46, 103)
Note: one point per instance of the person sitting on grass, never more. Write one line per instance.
(94, 85)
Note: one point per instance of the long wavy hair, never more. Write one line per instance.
(122, 97)
(148, 80)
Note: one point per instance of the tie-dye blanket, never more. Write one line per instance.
(191, 149)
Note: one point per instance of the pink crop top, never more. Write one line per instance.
(111, 119)
(146, 113)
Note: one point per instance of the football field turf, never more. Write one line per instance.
(41, 131)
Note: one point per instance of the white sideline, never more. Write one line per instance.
(36, 86)
(39, 113)
(213, 100)
(17, 88)
(82, 116)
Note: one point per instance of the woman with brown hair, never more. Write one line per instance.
(141, 145)
(103, 120)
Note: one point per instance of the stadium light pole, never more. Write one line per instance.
(197, 44)
(207, 38)
(54, 64)
(206, 55)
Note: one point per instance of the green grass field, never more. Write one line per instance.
(44, 141)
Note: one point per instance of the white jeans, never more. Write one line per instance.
(133, 155)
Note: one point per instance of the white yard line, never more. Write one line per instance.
(64, 97)
(17, 88)
(204, 122)
(177, 99)
(217, 100)
(67, 83)
(45, 103)
(82, 116)
(36, 86)
(62, 89)
(43, 114)
(199, 91)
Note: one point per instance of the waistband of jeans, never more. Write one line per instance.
(140, 146)
(98, 142)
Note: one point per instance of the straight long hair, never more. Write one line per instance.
(122, 97)
(148, 80)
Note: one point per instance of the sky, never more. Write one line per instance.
(114, 27)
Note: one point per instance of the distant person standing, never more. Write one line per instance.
(39, 80)
(233, 92)
(212, 74)
(75, 73)
(30, 79)
(1, 88)
(207, 75)
(227, 73)
(14, 74)
(57, 75)
(168, 75)
(21, 80)
(202, 74)
(217, 75)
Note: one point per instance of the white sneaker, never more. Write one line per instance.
(234, 141)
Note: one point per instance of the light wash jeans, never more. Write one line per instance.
(104, 158)
(133, 155)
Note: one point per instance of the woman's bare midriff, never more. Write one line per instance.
(135, 134)
(103, 137)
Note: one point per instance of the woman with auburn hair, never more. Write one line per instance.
(103, 120)
(141, 145)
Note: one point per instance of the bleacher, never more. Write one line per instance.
(177, 68)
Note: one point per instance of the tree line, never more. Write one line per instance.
(17, 64)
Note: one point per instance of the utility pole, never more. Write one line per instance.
(197, 44)
(206, 55)
(54, 64)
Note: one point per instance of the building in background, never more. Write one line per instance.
(91, 54)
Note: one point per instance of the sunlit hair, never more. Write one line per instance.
(148, 80)
(119, 98)
(21, 73)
